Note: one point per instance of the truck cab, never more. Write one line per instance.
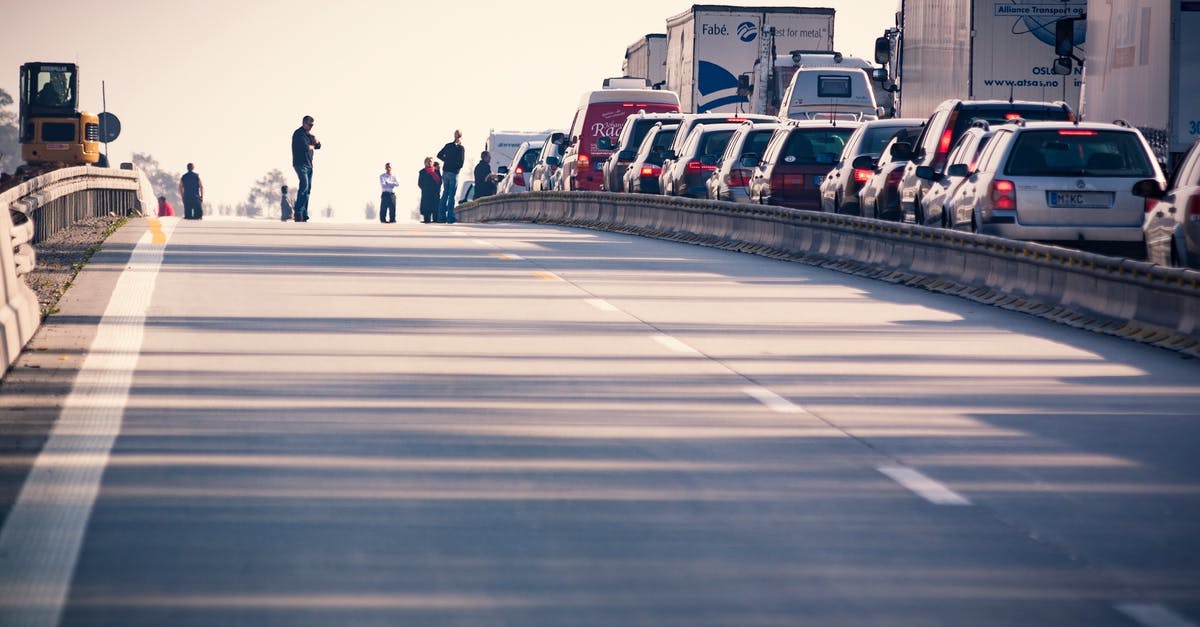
(52, 129)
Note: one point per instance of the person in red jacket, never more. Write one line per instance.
(430, 182)
(165, 210)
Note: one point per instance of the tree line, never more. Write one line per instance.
(262, 201)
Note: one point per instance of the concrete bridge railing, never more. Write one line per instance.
(1133, 299)
(40, 207)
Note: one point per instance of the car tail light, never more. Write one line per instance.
(695, 166)
(893, 178)
(1003, 194)
(1193, 208)
(1076, 132)
(736, 120)
(584, 162)
(519, 176)
(1012, 116)
(862, 175)
(738, 178)
(650, 171)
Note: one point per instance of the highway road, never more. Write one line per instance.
(259, 423)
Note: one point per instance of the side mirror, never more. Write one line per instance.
(604, 143)
(883, 50)
(959, 169)
(927, 173)
(1062, 66)
(502, 170)
(1064, 37)
(553, 161)
(863, 162)
(901, 151)
(879, 75)
(626, 155)
(749, 161)
(1148, 188)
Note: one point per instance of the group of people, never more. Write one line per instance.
(439, 184)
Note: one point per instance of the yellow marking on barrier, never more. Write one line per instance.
(155, 226)
(546, 276)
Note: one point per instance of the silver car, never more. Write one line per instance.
(1081, 185)
(1172, 226)
(731, 180)
(966, 153)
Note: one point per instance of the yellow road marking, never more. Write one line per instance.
(546, 276)
(155, 225)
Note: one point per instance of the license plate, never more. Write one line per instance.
(1080, 200)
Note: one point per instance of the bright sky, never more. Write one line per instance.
(223, 83)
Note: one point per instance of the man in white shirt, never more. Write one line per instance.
(387, 199)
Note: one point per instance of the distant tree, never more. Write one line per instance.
(10, 147)
(370, 211)
(165, 183)
(264, 197)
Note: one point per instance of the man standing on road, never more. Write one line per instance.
(387, 198)
(303, 145)
(192, 192)
(452, 155)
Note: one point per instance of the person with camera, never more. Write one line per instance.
(485, 181)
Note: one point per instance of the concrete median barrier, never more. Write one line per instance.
(1122, 297)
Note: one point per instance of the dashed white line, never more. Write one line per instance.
(1153, 615)
(674, 344)
(773, 401)
(40, 541)
(602, 304)
(933, 491)
(508, 256)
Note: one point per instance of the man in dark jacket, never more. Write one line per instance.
(452, 156)
(485, 181)
(303, 145)
(191, 189)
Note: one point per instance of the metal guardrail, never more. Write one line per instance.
(1132, 299)
(36, 210)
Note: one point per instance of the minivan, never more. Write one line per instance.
(602, 113)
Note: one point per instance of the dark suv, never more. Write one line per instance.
(948, 122)
(626, 146)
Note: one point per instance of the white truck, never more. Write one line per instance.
(978, 50)
(646, 58)
(503, 145)
(710, 46)
(773, 74)
(1143, 66)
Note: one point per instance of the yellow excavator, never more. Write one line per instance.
(53, 131)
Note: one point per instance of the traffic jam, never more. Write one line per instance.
(974, 146)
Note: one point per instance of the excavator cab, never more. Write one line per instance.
(52, 128)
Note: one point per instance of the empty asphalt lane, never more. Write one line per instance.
(516, 424)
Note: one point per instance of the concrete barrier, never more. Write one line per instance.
(38, 208)
(1122, 297)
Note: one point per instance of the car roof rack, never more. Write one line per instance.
(1121, 122)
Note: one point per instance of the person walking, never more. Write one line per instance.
(285, 207)
(485, 181)
(191, 189)
(303, 145)
(387, 197)
(165, 210)
(452, 155)
(430, 181)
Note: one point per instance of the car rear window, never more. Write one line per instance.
(1079, 152)
(876, 137)
(530, 158)
(999, 115)
(815, 146)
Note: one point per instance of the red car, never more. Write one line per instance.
(798, 158)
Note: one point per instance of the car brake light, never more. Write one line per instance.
(519, 176)
(1003, 195)
(695, 165)
(1193, 208)
(1076, 132)
(944, 142)
(1012, 116)
(738, 178)
(862, 175)
(893, 178)
(649, 171)
(584, 162)
(736, 120)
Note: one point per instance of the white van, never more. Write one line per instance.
(830, 93)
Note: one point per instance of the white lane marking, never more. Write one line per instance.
(773, 401)
(508, 256)
(483, 242)
(933, 491)
(1153, 615)
(40, 541)
(602, 304)
(674, 344)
